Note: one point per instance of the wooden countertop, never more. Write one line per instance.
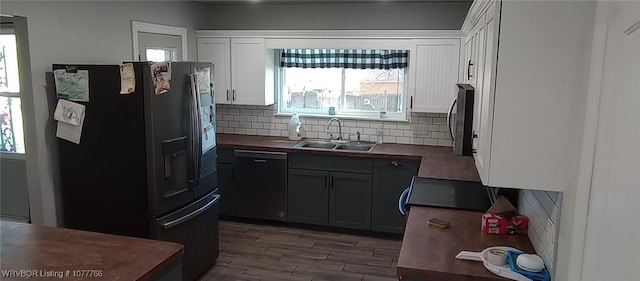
(436, 161)
(429, 253)
(49, 249)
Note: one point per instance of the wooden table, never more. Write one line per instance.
(69, 254)
(428, 253)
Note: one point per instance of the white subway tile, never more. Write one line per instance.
(263, 132)
(437, 135)
(223, 123)
(397, 133)
(390, 139)
(312, 135)
(443, 128)
(426, 120)
(251, 132)
(227, 130)
(430, 142)
(349, 123)
(228, 117)
(234, 124)
(403, 140)
(310, 121)
(222, 110)
(234, 111)
(408, 133)
(365, 124)
(444, 143)
(275, 133)
(239, 131)
(281, 126)
(264, 119)
(245, 111)
(369, 131)
(419, 129)
(267, 113)
(390, 125)
(419, 141)
(257, 125)
(245, 125)
(257, 112)
(439, 121)
(404, 126)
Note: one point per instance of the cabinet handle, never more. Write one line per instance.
(259, 160)
(474, 135)
(474, 151)
(469, 70)
(332, 179)
(227, 94)
(325, 182)
(395, 164)
(234, 94)
(411, 102)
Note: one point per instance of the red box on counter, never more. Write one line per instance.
(503, 218)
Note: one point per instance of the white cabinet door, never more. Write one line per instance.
(436, 70)
(218, 52)
(487, 94)
(477, 72)
(248, 70)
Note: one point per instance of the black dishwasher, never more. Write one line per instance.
(260, 182)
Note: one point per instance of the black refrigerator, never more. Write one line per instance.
(145, 165)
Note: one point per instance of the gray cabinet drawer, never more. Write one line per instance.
(330, 163)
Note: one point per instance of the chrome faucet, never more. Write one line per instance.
(339, 128)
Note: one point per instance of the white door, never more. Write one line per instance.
(159, 47)
(612, 246)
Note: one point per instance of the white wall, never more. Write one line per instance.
(79, 32)
(543, 210)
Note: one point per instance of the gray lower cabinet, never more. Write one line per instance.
(225, 182)
(225, 187)
(350, 200)
(390, 178)
(308, 196)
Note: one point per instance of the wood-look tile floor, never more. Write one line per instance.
(268, 252)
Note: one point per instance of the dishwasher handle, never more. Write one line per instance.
(260, 155)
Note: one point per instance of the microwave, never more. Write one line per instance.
(460, 120)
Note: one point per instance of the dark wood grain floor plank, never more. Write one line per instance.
(271, 252)
(371, 270)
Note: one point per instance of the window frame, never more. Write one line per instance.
(341, 113)
(16, 95)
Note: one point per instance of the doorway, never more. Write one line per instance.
(154, 42)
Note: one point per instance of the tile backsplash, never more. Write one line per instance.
(543, 210)
(423, 128)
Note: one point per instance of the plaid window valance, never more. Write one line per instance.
(344, 58)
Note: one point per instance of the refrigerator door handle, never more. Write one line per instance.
(191, 215)
(197, 145)
(449, 123)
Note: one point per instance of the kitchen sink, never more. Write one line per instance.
(322, 145)
(354, 146)
(347, 146)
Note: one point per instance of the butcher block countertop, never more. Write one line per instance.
(428, 253)
(81, 255)
(436, 161)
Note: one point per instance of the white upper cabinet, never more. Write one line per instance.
(243, 69)
(523, 56)
(218, 52)
(434, 73)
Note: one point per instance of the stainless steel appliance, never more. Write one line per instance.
(460, 120)
(146, 162)
(260, 183)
